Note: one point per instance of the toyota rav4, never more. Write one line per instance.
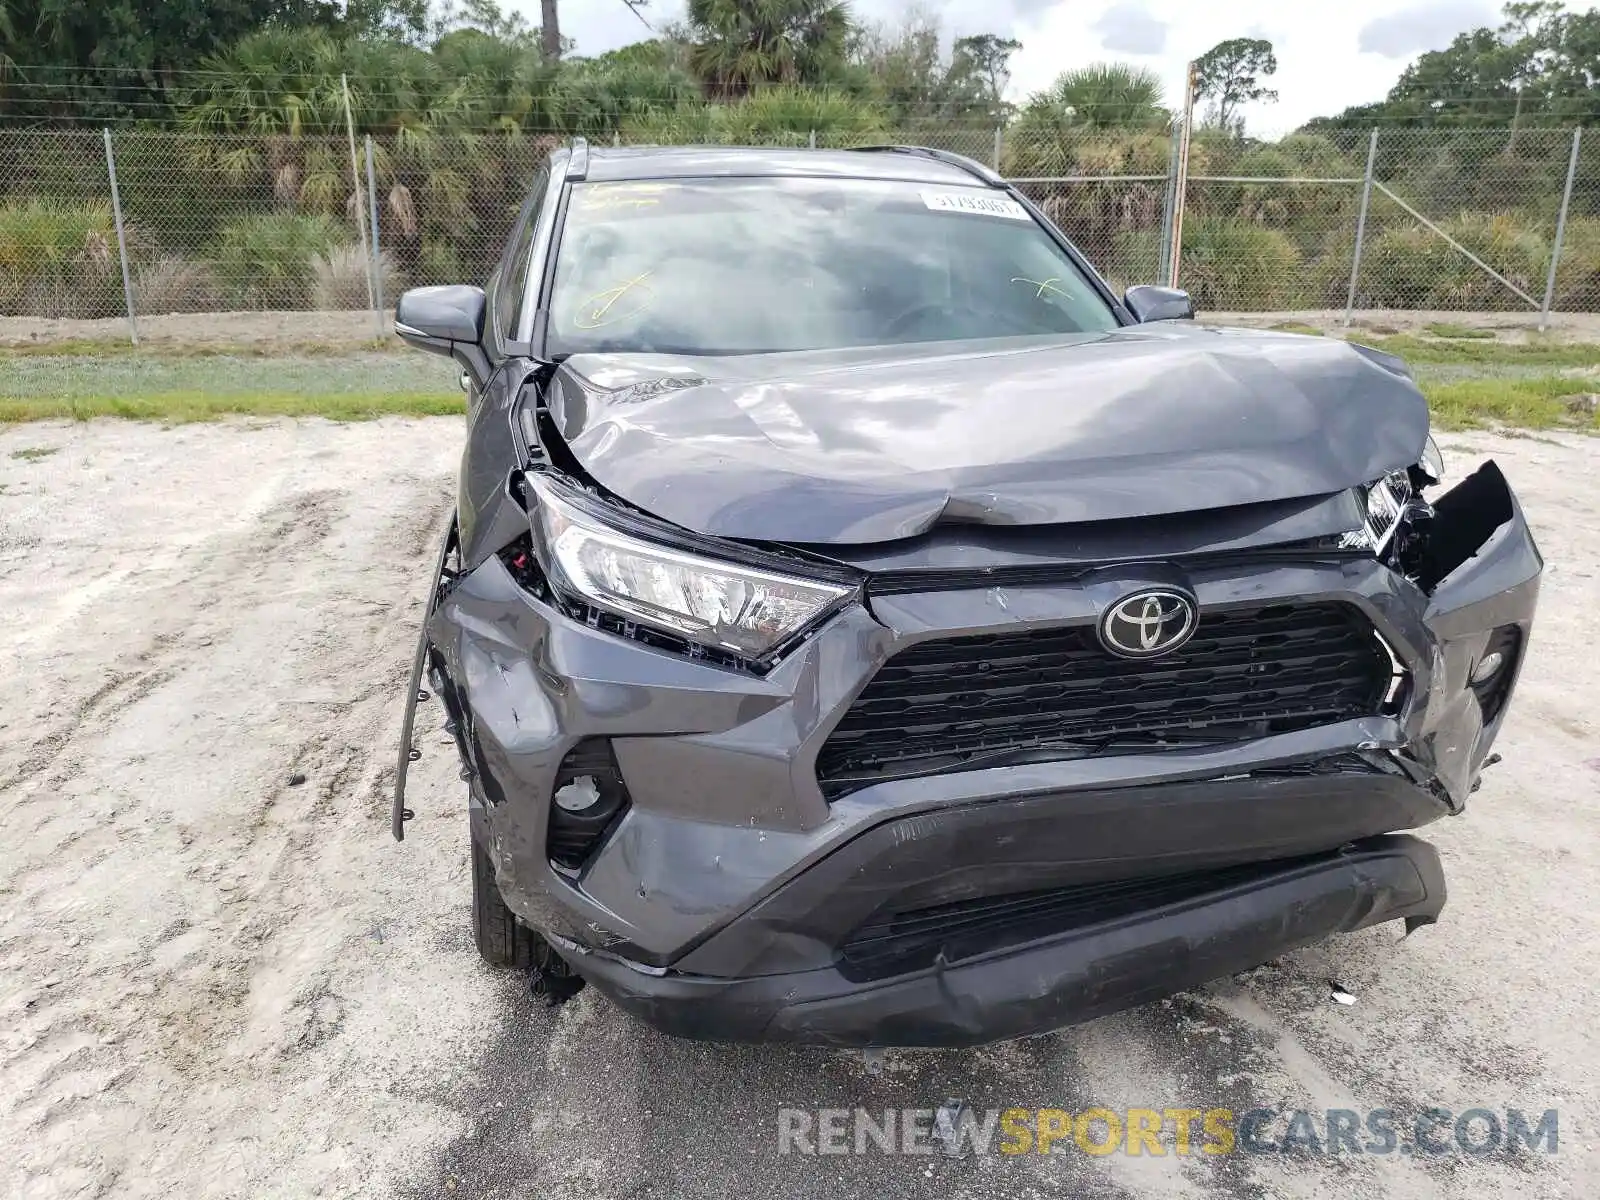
(859, 625)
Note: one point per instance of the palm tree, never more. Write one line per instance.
(742, 43)
(1102, 96)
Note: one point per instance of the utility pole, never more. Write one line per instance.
(549, 30)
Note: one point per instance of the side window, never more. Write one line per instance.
(514, 268)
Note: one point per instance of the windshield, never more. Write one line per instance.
(745, 266)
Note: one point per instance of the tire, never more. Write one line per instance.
(503, 941)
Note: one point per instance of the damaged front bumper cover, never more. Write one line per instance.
(726, 896)
(1053, 982)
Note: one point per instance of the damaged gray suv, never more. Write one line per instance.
(858, 625)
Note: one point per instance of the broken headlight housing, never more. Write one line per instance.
(1396, 517)
(1385, 504)
(1431, 464)
(730, 606)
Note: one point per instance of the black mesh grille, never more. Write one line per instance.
(943, 705)
(895, 942)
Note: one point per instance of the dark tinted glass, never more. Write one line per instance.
(514, 268)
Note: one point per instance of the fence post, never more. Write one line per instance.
(811, 141)
(1361, 229)
(122, 238)
(1561, 230)
(999, 143)
(1169, 206)
(1181, 196)
(361, 216)
(372, 208)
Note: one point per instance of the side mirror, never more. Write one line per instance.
(1148, 303)
(445, 320)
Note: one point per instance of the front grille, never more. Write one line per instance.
(893, 943)
(955, 703)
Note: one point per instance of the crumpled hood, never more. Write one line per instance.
(858, 446)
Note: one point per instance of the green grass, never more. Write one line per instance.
(1469, 384)
(34, 453)
(1538, 402)
(1296, 327)
(1535, 353)
(198, 387)
(164, 352)
(179, 407)
(1448, 329)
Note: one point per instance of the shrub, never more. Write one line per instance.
(833, 116)
(1309, 209)
(439, 263)
(1036, 146)
(775, 115)
(1578, 273)
(59, 260)
(1230, 264)
(1409, 266)
(265, 260)
(339, 279)
(176, 285)
(1135, 258)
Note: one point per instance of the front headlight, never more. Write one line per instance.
(748, 611)
(1384, 503)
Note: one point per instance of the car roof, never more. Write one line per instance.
(607, 163)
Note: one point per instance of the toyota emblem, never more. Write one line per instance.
(1147, 624)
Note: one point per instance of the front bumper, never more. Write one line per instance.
(1051, 983)
(730, 876)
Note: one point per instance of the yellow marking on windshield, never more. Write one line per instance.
(601, 309)
(604, 197)
(1044, 286)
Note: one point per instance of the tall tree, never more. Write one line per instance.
(1539, 62)
(987, 56)
(1230, 73)
(741, 43)
(549, 30)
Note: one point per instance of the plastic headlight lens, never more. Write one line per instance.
(741, 609)
(1385, 502)
(1432, 461)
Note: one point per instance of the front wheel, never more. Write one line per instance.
(504, 941)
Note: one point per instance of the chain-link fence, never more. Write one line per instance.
(103, 224)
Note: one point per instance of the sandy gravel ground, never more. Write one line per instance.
(265, 330)
(220, 977)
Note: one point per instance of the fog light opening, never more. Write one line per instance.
(588, 798)
(1488, 666)
(1491, 677)
(581, 794)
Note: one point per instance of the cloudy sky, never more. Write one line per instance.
(1329, 55)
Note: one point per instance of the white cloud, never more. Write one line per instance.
(1128, 28)
(1430, 26)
